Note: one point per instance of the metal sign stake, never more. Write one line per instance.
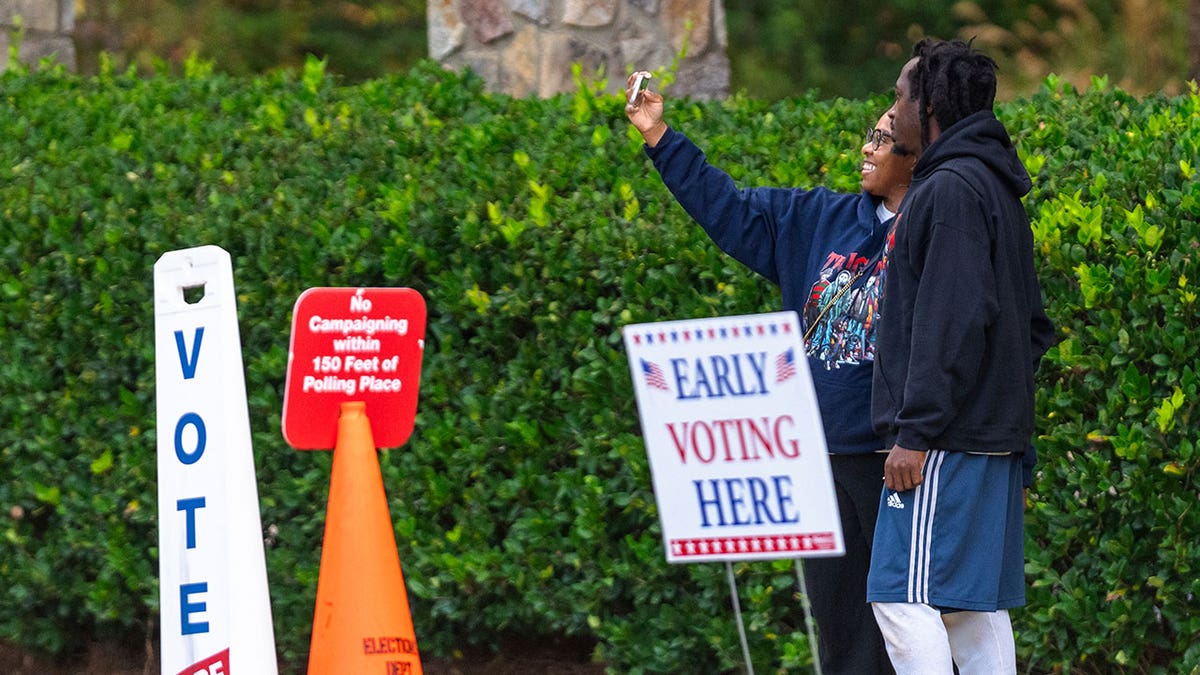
(737, 610)
(809, 622)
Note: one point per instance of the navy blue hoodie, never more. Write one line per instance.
(963, 326)
(809, 243)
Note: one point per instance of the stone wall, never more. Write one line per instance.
(48, 25)
(527, 47)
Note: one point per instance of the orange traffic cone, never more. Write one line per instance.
(362, 623)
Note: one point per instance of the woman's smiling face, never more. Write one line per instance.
(884, 173)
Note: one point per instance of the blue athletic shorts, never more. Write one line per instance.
(956, 541)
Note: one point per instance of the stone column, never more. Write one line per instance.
(527, 47)
(48, 25)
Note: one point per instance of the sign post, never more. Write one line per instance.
(734, 439)
(354, 370)
(215, 607)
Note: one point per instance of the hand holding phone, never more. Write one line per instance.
(645, 108)
(640, 81)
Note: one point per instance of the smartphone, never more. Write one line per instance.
(641, 79)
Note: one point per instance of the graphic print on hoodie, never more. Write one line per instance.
(843, 306)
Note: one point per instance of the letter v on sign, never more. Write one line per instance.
(189, 364)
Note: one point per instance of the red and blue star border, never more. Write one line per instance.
(664, 335)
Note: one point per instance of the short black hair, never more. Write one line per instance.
(952, 79)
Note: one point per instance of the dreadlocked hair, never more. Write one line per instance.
(953, 80)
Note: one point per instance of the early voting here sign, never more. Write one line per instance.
(734, 438)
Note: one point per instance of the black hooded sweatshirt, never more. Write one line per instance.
(961, 327)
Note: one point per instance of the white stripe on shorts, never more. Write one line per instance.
(921, 543)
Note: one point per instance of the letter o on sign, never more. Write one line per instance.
(201, 438)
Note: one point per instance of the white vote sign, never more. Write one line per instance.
(734, 438)
(215, 609)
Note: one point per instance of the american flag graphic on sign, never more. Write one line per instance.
(654, 375)
(785, 366)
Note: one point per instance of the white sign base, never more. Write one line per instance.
(215, 607)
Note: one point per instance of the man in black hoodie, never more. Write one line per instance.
(959, 335)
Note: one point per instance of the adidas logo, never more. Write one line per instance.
(894, 501)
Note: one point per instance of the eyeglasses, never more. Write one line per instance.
(877, 137)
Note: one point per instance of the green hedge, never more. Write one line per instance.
(535, 229)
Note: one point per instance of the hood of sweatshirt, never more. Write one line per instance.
(982, 137)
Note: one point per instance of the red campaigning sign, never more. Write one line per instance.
(351, 344)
